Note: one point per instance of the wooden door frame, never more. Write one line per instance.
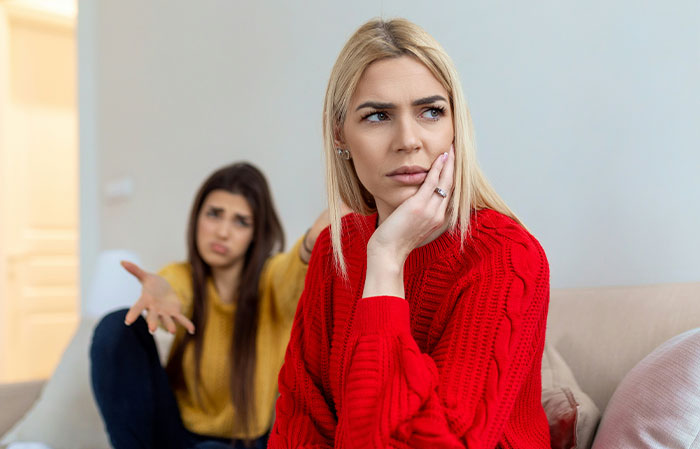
(12, 12)
(4, 93)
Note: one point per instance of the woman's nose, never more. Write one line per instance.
(407, 135)
(223, 230)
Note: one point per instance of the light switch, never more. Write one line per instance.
(118, 189)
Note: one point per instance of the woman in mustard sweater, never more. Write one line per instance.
(230, 307)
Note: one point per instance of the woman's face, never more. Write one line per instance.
(399, 120)
(224, 229)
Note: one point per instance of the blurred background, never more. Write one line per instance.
(587, 120)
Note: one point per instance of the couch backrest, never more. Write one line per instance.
(603, 332)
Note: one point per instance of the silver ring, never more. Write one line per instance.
(440, 192)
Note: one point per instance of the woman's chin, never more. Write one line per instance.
(398, 197)
(218, 261)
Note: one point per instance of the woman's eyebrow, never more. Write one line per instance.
(428, 100)
(418, 102)
(376, 105)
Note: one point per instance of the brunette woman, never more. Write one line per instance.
(230, 307)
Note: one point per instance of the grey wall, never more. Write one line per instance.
(587, 118)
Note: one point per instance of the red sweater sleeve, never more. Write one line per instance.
(397, 396)
(303, 416)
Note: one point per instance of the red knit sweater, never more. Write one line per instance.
(456, 364)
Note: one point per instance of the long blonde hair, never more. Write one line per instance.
(379, 39)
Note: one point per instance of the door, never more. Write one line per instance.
(39, 304)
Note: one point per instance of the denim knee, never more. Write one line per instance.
(212, 445)
(111, 332)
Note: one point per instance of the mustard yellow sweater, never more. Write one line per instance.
(281, 284)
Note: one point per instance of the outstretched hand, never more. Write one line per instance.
(158, 299)
(414, 222)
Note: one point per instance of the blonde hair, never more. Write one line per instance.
(379, 39)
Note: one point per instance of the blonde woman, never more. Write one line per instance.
(422, 320)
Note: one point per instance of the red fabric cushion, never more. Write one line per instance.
(561, 409)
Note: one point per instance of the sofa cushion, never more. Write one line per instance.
(561, 409)
(657, 404)
(16, 399)
(65, 416)
(571, 413)
(603, 332)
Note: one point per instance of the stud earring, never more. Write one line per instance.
(345, 154)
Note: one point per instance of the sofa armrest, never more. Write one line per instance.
(16, 400)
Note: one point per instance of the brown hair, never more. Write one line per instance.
(268, 237)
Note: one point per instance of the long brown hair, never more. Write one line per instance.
(268, 237)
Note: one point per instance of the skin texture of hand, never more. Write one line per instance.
(158, 299)
(417, 221)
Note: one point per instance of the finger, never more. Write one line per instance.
(152, 320)
(446, 180)
(186, 323)
(134, 312)
(134, 269)
(427, 189)
(168, 323)
(437, 203)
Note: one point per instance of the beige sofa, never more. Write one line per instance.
(600, 332)
(16, 399)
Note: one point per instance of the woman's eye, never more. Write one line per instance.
(212, 213)
(377, 117)
(243, 222)
(432, 113)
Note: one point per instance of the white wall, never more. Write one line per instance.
(586, 114)
(89, 200)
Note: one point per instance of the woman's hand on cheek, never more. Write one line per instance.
(411, 224)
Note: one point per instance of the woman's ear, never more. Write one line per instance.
(338, 140)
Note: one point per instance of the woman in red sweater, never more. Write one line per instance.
(422, 321)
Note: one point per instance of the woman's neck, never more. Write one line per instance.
(226, 281)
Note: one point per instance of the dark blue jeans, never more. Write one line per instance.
(133, 394)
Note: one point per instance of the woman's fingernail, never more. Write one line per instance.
(444, 157)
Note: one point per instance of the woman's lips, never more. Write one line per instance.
(218, 248)
(409, 174)
(413, 178)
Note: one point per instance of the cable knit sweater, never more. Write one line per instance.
(456, 364)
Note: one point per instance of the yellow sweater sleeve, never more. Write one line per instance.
(282, 280)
